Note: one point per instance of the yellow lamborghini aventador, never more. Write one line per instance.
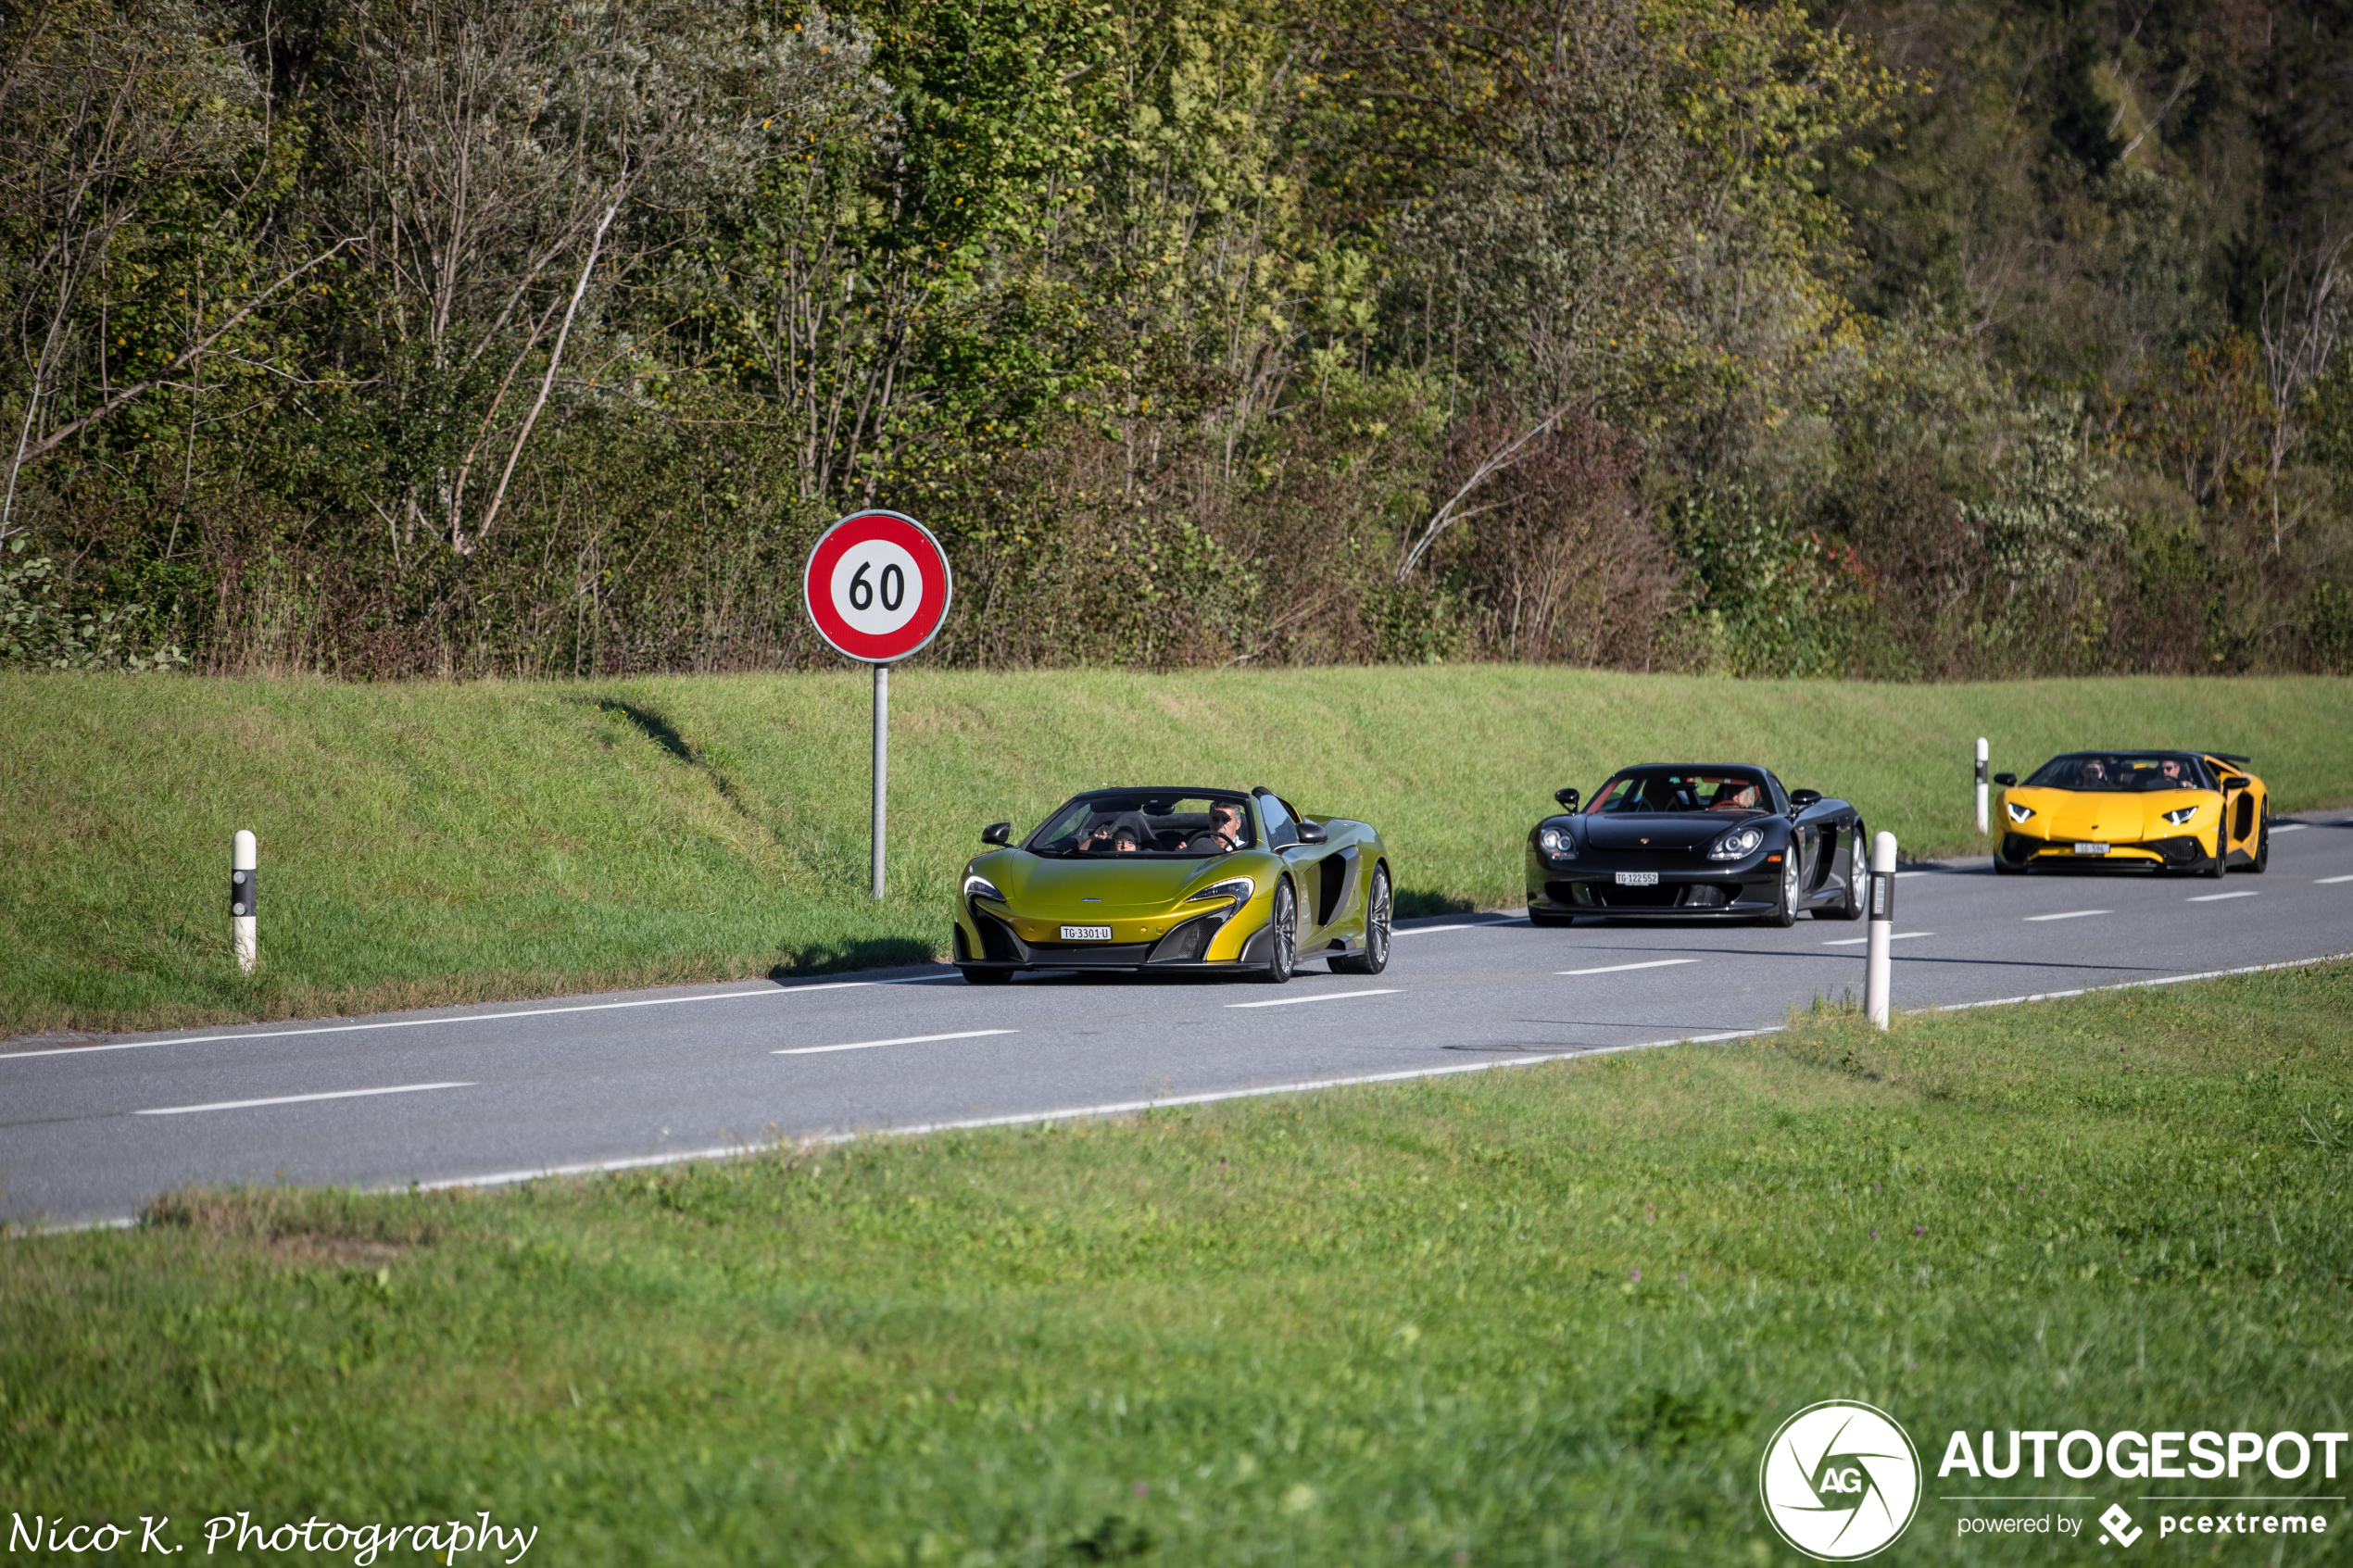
(2200, 811)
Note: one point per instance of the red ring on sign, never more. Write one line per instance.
(931, 610)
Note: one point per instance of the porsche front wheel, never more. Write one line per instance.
(1379, 907)
(1850, 904)
(1785, 904)
(1282, 936)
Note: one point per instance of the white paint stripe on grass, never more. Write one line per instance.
(1858, 941)
(901, 1040)
(1325, 996)
(2218, 897)
(468, 1018)
(1622, 968)
(296, 1099)
(2069, 914)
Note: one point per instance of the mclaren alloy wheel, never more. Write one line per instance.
(1785, 905)
(1283, 934)
(1377, 907)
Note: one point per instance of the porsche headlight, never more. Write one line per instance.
(2181, 816)
(1238, 888)
(1557, 843)
(2017, 813)
(1737, 845)
(981, 887)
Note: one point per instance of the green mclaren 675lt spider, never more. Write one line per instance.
(1207, 881)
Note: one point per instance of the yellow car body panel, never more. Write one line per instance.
(2191, 827)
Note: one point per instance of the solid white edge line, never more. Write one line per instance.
(297, 1100)
(469, 1018)
(2065, 914)
(2217, 898)
(902, 1040)
(1324, 996)
(1622, 968)
(1124, 1108)
(1892, 936)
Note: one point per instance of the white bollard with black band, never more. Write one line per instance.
(1882, 908)
(1980, 784)
(241, 899)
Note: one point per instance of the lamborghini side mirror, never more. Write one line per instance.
(999, 833)
(1567, 797)
(1313, 833)
(2006, 780)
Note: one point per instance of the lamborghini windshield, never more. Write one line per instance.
(2122, 771)
(1166, 823)
(1661, 790)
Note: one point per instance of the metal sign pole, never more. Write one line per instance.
(882, 764)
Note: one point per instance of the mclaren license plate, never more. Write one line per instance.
(2090, 849)
(1085, 934)
(1638, 878)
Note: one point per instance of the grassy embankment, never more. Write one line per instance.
(439, 842)
(1546, 1316)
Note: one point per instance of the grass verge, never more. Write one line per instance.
(439, 842)
(1546, 1316)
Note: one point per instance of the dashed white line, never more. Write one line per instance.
(2070, 914)
(296, 1099)
(1893, 936)
(2329, 881)
(1325, 996)
(901, 1040)
(2290, 827)
(2216, 897)
(1622, 968)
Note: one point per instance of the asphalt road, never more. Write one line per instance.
(89, 1131)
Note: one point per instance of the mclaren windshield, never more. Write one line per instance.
(1660, 791)
(2124, 771)
(1169, 825)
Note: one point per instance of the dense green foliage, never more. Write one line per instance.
(428, 336)
(435, 842)
(1534, 1317)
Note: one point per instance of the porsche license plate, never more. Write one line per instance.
(1085, 934)
(2090, 849)
(1638, 878)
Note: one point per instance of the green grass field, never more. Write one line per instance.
(442, 843)
(1530, 1317)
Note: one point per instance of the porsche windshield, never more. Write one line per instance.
(1661, 790)
(1147, 822)
(2122, 771)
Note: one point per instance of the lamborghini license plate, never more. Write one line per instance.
(2090, 849)
(1085, 934)
(1638, 878)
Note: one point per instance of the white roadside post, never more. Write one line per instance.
(241, 899)
(882, 764)
(1875, 968)
(1980, 784)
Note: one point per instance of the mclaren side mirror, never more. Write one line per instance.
(1567, 797)
(2006, 780)
(1312, 832)
(999, 833)
(1801, 799)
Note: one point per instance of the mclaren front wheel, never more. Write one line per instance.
(1379, 908)
(1282, 936)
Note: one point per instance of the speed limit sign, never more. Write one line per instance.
(877, 587)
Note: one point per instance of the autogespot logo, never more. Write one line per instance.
(1841, 1480)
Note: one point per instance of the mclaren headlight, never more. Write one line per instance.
(978, 886)
(1556, 842)
(1238, 888)
(2017, 813)
(2180, 817)
(1738, 844)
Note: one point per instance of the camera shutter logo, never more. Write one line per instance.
(1841, 1480)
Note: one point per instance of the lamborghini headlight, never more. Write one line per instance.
(981, 887)
(1238, 888)
(1737, 845)
(1557, 843)
(2180, 817)
(2017, 813)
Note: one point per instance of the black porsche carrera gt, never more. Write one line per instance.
(1686, 840)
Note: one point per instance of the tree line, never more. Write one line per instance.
(398, 337)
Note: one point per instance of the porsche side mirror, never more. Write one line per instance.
(2006, 780)
(1312, 832)
(999, 833)
(1567, 797)
(1801, 799)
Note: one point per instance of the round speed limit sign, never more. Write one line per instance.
(877, 587)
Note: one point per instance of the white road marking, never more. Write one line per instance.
(2213, 898)
(1418, 930)
(296, 1099)
(901, 1040)
(2291, 827)
(427, 1022)
(1919, 874)
(2070, 914)
(2330, 881)
(1325, 996)
(1622, 968)
(1893, 936)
